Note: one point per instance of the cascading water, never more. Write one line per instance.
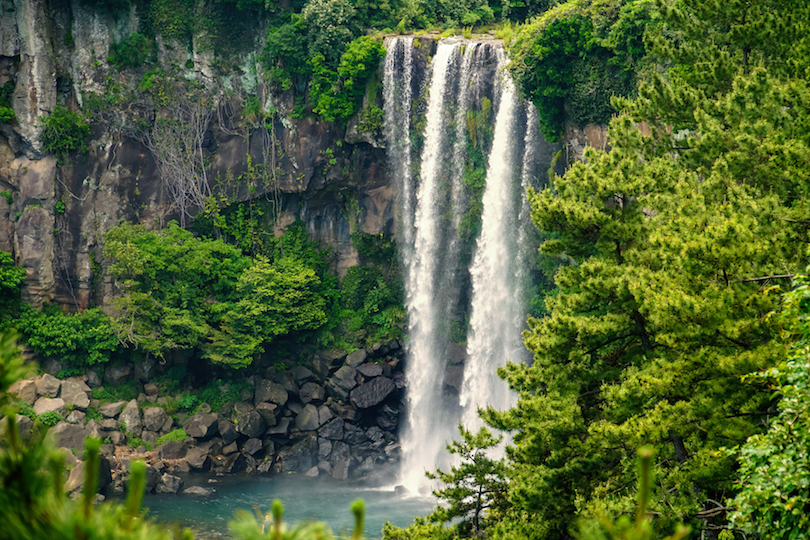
(440, 214)
(423, 439)
(497, 312)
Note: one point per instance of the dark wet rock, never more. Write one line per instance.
(356, 358)
(270, 391)
(131, 416)
(327, 361)
(282, 429)
(401, 491)
(287, 381)
(93, 380)
(387, 418)
(198, 459)
(400, 381)
(372, 393)
(174, 449)
(295, 458)
(251, 424)
(295, 407)
(302, 375)
(154, 418)
(307, 419)
(353, 434)
(242, 408)
(145, 369)
(213, 447)
(69, 435)
(342, 382)
(454, 378)
(370, 370)
(333, 430)
(312, 392)
(169, 484)
(340, 461)
(116, 375)
(234, 463)
(268, 411)
(252, 446)
(227, 430)
(230, 449)
(201, 426)
(324, 449)
(324, 415)
(111, 410)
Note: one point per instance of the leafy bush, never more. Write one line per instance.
(50, 418)
(177, 435)
(133, 51)
(123, 392)
(187, 401)
(80, 340)
(65, 132)
(7, 114)
(93, 413)
(11, 280)
(330, 25)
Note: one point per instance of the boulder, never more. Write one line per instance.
(307, 420)
(169, 484)
(93, 380)
(117, 438)
(76, 417)
(149, 437)
(108, 424)
(370, 370)
(131, 416)
(73, 393)
(252, 446)
(167, 427)
(333, 430)
(302, 375)
(45, 404)
(388, 418)
(324, 415)
(69, 435)
(198, 491)
(341, 461)
(201, 426)
(353, 435)
(342, 382)
(295, 458)
(76, 478)
(154, 418)
(326, 361)
(198, 459)
(94, 430)
(230, 449)
(347, 412)
(241, 408)
(372, 393)
(270, 391)
(151, 389)
(25, 390)
(48, 385)
(111, 410)
(287, 381)
(213, 447)
(24, 424)
(324, 449)
(454, 378)
(268, 411)
(312, 473)
(174, 449)
(400, 381)
(312, 392)
(251, 424)
(144, 369)
(295, 407)
(234, 463)
(356, 358)
(116, 375)
(282, 429)
(227, 431)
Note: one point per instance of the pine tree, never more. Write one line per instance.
(681, 242)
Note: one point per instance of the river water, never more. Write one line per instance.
(304, 499)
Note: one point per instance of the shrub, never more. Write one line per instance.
(65, 132)
(187, 401)
(133, 51)
(50, 418)
(177, 435)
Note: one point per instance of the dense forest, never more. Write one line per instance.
(669, 313)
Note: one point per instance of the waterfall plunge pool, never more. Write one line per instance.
(304, 499)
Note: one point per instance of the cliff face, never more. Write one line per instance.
(56, 52)
(331, 176)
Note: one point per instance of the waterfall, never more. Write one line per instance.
(497, 312)
(397, 98)
(452, 272)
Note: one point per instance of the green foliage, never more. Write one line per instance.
(177, 435)
(185, 292)
(173, 19)
(93, 413)
(7, 196)
(187, 401)
(330, 25)
(378, 249)
(78, 339)
(338, 94)
(11, 280)
(65, 132)
(285, 54)
(774, 472)
(59, 207)
(123, 392)
(371, 119)
(132, 52)
(50, 418)
(7, 114)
